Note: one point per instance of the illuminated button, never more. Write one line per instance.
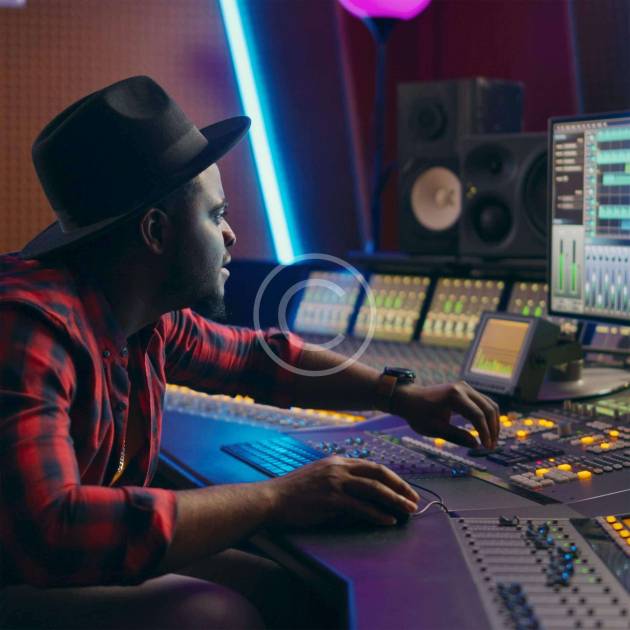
(541, 472)
(587, 439)
(474, 433)
(611, 519)
(604, 445)
(528, 422)
(617, 527)
(507, 423)
(503, 418)
(624, 533)
(551, 459)
(439, 442)
(584, 474)
(521, 434)
(565, 467)
(614, 433)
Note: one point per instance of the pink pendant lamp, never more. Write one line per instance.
(380, 16)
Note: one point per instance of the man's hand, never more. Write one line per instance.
(428, 411)
(340, 488)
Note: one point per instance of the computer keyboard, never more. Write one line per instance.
(274, 457)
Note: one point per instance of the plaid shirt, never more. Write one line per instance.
(69, 380)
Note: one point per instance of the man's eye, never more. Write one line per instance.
(219, 216)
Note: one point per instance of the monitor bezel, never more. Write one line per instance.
(584, 317)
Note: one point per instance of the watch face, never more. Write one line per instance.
(404, 375)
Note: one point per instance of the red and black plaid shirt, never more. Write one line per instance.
(68, 378)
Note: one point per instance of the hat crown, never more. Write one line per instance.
(110, 151)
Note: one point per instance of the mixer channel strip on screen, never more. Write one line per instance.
(396, 308)
(456, 308)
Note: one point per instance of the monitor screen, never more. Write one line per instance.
(500, 345)
(590, 216)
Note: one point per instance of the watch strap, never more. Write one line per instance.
(385, 388)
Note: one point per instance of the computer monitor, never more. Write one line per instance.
(589, 235)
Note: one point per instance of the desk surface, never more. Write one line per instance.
(403, 577)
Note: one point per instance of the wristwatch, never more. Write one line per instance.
(386, 385)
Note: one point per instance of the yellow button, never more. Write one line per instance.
(474, 433)
(617, 526)
(584, 474)
(528, 422)
(611, 519)
(541, 472)
(565, 467)
(551, 459)
(614, 433)
(624, 533)
(605, 445)
(503, 418)
(587, 439)
(521, 434)
(542, 422)
(507, 423)
(439, 441)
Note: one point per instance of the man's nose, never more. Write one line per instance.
(229, 238)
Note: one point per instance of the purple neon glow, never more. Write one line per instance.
(401, 9)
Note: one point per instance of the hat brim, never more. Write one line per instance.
(221, 137)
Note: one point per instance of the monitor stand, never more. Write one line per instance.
(582, 382)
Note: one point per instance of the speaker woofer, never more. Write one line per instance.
(429, 120)
(491, 219)
(436, 199)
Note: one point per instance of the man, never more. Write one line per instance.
(95, 321)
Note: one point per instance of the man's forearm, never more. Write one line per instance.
(353, 387)
(212, 519)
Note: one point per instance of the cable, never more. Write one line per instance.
(427, 506)
(439, 501)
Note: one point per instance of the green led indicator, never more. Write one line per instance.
(526, 310)
(459, 307)
(398, 302)
(448, 306)
(538, 311)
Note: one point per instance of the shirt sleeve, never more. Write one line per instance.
(54, 531)
(231, 360)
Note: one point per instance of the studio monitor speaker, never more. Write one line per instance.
(504, 180)
(432, 117)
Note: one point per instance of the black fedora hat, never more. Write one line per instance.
(116, 152)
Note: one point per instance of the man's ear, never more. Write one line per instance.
(156, 229)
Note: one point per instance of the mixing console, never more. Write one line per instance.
(327, 304)
(398, 301)
(530, 298)
(432, 365)
(244, 410)
(456, 308)
(561, 573)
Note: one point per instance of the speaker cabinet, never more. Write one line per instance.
(504, 179)
(432, 117)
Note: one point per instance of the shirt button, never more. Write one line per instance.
(106, 354)
(124, 351)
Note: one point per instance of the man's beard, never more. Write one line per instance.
(212, 307)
